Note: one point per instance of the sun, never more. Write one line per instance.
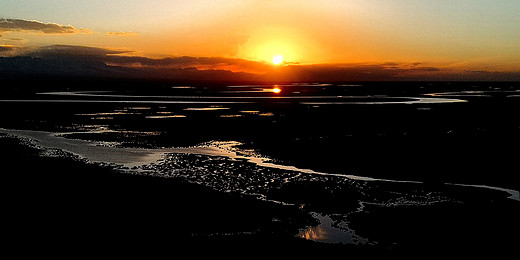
(278, 59)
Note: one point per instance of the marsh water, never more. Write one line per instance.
(346, 153)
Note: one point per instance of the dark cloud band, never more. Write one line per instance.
(10, 25)
(120, 63)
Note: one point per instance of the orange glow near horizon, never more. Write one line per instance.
(266, 42)
(471, 36)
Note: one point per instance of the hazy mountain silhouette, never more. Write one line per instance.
(16, 67)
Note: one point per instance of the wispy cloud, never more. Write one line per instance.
(17, 25)
(122, 34)
(6, 47)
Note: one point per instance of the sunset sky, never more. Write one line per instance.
(465, 35)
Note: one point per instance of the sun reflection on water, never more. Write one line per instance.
(328, 231)
(313, 233)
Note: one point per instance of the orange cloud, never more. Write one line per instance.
(6, 47)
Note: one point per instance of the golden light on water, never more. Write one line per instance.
(313, 233)
(276, 90)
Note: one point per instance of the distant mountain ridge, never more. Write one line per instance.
(23, 66)
(90, 66)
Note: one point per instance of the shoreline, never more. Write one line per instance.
(407, 177)
(78, 201)
(316, 221)
(139, 157)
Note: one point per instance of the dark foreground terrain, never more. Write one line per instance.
(62, 205)
(63, 202)
(59, 202)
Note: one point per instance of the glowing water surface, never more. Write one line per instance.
(303, 99)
